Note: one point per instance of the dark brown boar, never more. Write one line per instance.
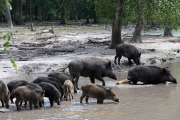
(14, 84)
(150, 75)
(27, 93)
(52, 80)
(68, 90)
(62, 77)
(51, 92)
(90, 67)
(97, 91)
(129, 52)
(4, 94)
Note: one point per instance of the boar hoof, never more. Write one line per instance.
(18, 109)
(7, 106)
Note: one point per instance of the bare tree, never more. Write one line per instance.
(8, 14)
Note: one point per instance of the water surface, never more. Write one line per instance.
(137, 102)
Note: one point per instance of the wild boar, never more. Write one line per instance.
(62, 77)
(14, 84)
(4, 94)
(27, 93)
(51, 80)
(150, 75)
(97, 91)
(129, 52)
(51, 92)
(68, 89)
(90, 67)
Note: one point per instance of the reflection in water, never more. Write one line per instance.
(140, 102)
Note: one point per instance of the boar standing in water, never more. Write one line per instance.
(150, 75)
(128, 51)
(4, 94)
(97, 91)
(51, 92)
(90, 67)
(50, 80)
(14, 84)
(27, 93)
(68, 90)
(62, 77)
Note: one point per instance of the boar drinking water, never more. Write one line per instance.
(27, 93)
(97, 91)
(4, 94)
(51, 92)
(91, 67)
(68, 90)
(150, 75)
(128, 51)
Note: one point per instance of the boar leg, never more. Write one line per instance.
(77, 78)
(115, 59)
(2, 103)
(17, 106)
(92, 79)
(129, 61)
(119, 58)
(30, 104)
(87, 97)
(12, 101)
(100, 78)
(100, 101)
(51, 102)
(81, 98)
(20, 103)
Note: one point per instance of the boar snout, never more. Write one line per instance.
(116, 100)
(58, 103)
(7, 106)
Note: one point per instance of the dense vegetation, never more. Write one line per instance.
(165, 13)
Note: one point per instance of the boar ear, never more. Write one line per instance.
(109, 90)
(109, 63)
(164, 70)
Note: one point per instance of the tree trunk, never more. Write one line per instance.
(43, 16)
(10, 25)
(167, 32)
(137, 34)
(20, 12)
(62, 14)
(74, 8)
(117, 24)
(95, 17)
(53, 28)
(30, 12)
(39, 13)
(87, 20)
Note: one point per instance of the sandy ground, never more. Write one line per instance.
(41, 52)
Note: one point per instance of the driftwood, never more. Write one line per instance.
(99, 41)
(60, 50)
(29, 48)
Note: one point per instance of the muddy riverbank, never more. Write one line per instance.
(39, 51)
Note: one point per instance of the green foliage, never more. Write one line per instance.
(7, 37)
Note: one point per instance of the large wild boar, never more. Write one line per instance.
(51, 80)
(150, 75)
(97, 91)
(129, 52)
(62, 77)
(68, 89)
(27, 93)
(14, 84)
(90, 67)
(51, 92)
(4, 94)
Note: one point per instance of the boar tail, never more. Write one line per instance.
(65, 68)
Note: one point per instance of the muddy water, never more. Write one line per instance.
(137, 102)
